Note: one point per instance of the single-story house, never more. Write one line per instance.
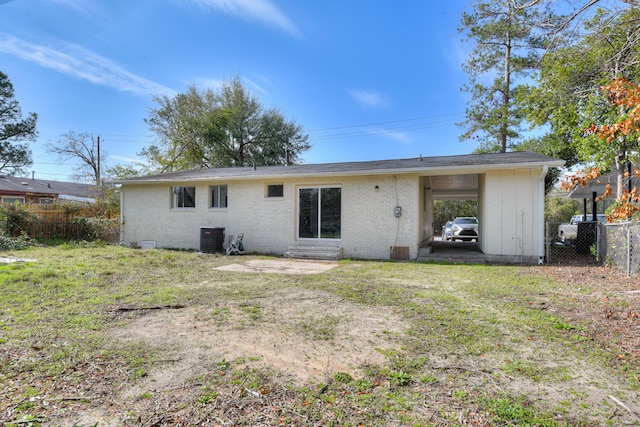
(372, 209)
(41, 191)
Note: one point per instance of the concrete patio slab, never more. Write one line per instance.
(280, 266)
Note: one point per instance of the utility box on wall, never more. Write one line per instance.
(211, 239)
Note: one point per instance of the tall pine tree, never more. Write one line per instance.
(508, 39)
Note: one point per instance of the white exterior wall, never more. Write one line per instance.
(510, 218)
(427, 204)
(368, 228)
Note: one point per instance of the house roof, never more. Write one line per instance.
(598, 185)
(64, 190)
(463, 164)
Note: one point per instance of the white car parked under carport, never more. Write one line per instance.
(464, 228)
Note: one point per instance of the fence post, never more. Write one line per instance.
(547, 242)
(628, 250)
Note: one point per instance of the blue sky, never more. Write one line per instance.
(367, 80)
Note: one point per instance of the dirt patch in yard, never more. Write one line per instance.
(298, 335)
(301, 334)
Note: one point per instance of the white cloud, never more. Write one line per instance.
(206, 83)
(255, 86)
(216, 84)
(81, 63)
(260, 10)
(368, 99)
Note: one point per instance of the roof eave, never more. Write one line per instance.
(422, 170)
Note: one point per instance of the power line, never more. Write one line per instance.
(315, 135)
(150, 138)
(387, 122)
(380, 131)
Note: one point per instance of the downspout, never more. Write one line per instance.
(541, 227)
(121, 215)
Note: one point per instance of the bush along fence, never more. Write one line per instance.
(61, 221)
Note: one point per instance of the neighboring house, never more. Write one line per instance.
(40, 191)
(594, 189)
(374, 209)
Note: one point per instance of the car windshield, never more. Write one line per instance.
(578, 218)
(466, 221)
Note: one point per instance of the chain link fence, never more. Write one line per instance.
(573, 244)
(592, 243)
(621, 246)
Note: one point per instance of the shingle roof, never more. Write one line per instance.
(599, 185)
(473, 162)
(18, 185)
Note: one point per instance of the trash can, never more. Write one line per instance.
(211, 239)
(586, 236)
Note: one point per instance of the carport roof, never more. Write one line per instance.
(463, 164)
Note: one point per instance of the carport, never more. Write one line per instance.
(453, 187)
(510, 196)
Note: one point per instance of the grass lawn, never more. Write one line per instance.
(110, 336)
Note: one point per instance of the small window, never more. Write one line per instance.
(12, 199)
(218, 196)
(183, 197)
(46, 200)
(275, 190)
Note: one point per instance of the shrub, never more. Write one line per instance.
(13, 218)
(14, 243)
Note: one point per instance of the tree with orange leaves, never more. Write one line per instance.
(622, 140)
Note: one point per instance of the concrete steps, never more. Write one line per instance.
(314, 252)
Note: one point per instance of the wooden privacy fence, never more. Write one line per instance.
(66, 222)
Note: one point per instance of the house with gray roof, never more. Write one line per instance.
(42, 191)
(372, 209)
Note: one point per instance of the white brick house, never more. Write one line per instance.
(352, 206)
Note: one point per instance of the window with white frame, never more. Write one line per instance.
(218, 196)
(183, 197)
(319, 213)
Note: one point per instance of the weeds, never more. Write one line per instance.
(470, 333)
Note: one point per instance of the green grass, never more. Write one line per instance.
(472, 331)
